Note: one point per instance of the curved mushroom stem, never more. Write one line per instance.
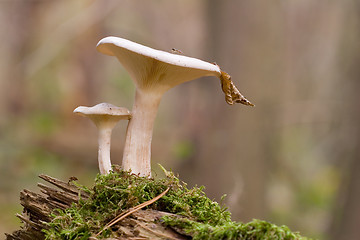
(104, 150)
(137, 150)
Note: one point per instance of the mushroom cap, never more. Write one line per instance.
(104, 113)
(155, 69)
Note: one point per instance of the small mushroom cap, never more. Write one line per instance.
(151, 68)
(104, 112)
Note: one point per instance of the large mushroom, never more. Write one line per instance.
(105, 116)
(154, 72)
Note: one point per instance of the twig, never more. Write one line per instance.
(132, 210)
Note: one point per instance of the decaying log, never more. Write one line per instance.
(143, 224)
(37, 207)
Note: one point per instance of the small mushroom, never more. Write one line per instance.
(154, 72)
(105, 116)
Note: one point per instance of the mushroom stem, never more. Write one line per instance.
(104, 150)
(154, 72)
(104, 116)
(137, 151)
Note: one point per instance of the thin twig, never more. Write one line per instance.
(132, 210)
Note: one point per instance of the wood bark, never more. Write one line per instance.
(143, 224)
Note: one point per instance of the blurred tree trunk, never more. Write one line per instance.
(346, 221)
(243, 162)
(20, 17)
(231, 154)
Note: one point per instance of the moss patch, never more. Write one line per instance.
(114, 193)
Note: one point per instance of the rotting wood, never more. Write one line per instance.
(142, 224)
(131, 211)
(37, 207)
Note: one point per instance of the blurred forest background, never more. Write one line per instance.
(293, 159)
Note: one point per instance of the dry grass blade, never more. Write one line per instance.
(132, 210)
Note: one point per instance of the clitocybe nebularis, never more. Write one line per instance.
(105, 116)
(154, 72)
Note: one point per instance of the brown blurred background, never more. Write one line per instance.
(293, 159)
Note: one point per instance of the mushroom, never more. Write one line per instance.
(154, 72)
(105, 116)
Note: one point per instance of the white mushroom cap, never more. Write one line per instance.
(154, 72)
(105, 116)
(104, 112)
(158, 71)
(151, 68)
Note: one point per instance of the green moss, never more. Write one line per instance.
(253, 230)
(118, 191)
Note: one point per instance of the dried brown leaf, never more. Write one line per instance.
(232, 94)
